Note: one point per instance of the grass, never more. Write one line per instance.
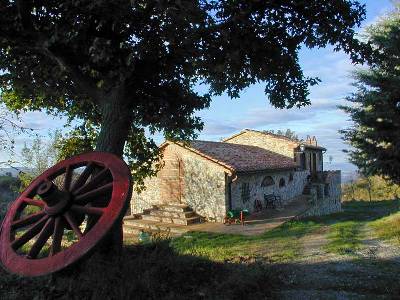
(202, 265)
(344, 238)
(346, 228)
(282, 244)
(279, 245)
(388, 228)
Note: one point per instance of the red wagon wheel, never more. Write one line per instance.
(64, 213)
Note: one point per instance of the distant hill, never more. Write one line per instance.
(13, 171)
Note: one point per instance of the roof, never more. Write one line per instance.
(241, 158)
(278, 136)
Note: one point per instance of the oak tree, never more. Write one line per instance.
(127, 66)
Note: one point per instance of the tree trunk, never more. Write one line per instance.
(115, 126)
(369, 189)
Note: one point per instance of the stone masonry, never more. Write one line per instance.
(291, 189)
(326, 196)
(276, 144)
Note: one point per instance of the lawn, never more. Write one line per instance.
(282, 244)
(281, 263)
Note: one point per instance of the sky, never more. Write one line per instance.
(252, 110)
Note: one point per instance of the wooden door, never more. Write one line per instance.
(171, 176)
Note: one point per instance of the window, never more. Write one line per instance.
(267, 181)
(245, 192)
(290, 177)
(282, 182)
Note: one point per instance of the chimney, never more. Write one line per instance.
(314, 141)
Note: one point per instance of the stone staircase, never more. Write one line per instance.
(162, 218)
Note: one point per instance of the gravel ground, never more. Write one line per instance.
(371, 273)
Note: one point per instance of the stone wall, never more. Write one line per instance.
(147, 198)
(326, 196)
(291, 189)
(275, 144)
(204, 188)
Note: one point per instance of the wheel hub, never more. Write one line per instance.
(57, 202)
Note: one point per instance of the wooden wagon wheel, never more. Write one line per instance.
(64, 213)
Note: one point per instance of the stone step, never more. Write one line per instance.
(174, 207)
(135, 226)
(172, 214)
(180, 221)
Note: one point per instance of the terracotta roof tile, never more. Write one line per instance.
(243, 158)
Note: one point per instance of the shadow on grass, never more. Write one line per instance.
(154, 271)
(351, 278)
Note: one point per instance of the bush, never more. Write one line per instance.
(8, 192)
(380, 188)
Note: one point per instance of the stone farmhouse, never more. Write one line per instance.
(214, 177)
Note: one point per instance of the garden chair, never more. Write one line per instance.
(272, 201)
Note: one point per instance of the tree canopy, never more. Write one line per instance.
(375, 106)
(132, 66)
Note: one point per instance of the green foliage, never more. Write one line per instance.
(127, 66)
(288, 133)
(8, 187)
(8, 183)
(38, 156)
(380, 188)
(375, 107)
(81, 139)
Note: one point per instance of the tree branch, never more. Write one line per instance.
(83, 82)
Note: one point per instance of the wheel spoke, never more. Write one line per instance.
(84, 176)
(68, 178)
(44, 235)
(81, 199)
(34, 202)
(28, 220)
(98, 178)
(57, 236)
(28, 235)
(72, 223)
(87, 210)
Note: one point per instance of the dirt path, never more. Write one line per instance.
(371, 273)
